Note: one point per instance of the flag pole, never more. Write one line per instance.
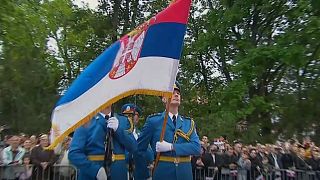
(164, 124)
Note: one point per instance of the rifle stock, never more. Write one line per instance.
(108, 151)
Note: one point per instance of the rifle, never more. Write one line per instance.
(131, 168)
(131, 163)
(108, 151)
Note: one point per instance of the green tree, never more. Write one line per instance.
(45, 45)
(27, 84)
(250, 69)
(242, 57)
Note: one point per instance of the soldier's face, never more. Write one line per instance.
(175, 99)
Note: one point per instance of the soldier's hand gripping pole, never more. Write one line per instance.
(162, 133)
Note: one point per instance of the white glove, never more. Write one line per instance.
(113, 123)
(163, 146)
(102, 175)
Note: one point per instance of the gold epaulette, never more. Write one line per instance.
(191, 128)
(191, 125)
(180, 133)
(130, 119)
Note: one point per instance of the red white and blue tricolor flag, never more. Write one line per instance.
(145, 61)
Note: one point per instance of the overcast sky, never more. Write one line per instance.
(92, 3)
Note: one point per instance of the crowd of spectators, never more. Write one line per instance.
(218, 157)
(282, 159)
(26, 157)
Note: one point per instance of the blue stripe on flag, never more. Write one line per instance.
(164, 40)
(98, 69)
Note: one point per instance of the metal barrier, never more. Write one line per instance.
(253, 174)
(62, 172)
(22, 172)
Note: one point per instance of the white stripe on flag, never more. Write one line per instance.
(150, 73)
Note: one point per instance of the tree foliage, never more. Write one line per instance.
(249, 56)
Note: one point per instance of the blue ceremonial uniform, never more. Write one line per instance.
(149, 157)
(134, 111)
(185, 142)
(88, 143)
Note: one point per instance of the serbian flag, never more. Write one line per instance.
(145, 61)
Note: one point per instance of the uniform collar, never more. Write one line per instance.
(178, 121)
(103, 115)
(171, 115)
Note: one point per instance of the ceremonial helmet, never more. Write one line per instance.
(131, 109)
(177, 86)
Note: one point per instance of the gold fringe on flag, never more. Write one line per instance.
(61, 137)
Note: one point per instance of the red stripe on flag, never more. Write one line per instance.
(177, 12)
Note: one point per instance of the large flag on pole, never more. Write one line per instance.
(145, 61)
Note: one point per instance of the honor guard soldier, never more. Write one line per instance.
(134, 112)
(89, 146)
(179, 144)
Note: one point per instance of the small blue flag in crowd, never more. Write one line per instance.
(145, 61)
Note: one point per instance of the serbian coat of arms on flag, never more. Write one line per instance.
(145, 61)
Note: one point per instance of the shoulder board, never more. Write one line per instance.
(187, 118)
(96, 117)
(154, 115)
